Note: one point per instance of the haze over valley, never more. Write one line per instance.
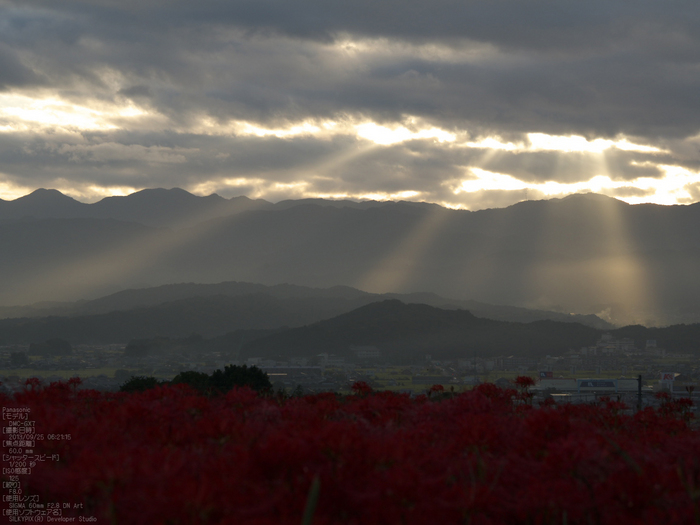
(583, 254)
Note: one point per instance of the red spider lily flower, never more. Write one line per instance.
(548, 402)
(524, 382)
(361, 388)
(171, 455)
(33, 382)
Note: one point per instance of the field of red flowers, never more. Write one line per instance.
(171, 456)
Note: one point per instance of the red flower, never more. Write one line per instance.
(361, 388)
(33, 382)
(170, 455)
(524, 382)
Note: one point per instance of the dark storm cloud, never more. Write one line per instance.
(136, 92)
(595, 67)
(12, 72)
(184, 160)
(541, 166)
(488, 68)
(540, 24)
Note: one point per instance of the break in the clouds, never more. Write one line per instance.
(469, 104)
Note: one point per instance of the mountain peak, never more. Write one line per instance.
(590, 197)
(43, 203)
(44, 195)
(162, 193)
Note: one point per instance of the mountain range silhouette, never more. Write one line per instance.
(584, 254)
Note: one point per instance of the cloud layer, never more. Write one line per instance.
(470, 104)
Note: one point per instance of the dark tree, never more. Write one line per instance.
(140, 383)
(200, 381)
(221, 381)
(233, 375)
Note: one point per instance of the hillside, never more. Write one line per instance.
(211, 310)
(586, 254)
(410, 331)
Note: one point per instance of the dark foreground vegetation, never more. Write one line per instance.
(171, 455)
(216, 383)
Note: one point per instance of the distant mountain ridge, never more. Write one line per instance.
(153, 207)
(275, 328)
(213, 310)
(409, 332)
(129, 299)
(174, 208)
(588, 254)
(207, 316)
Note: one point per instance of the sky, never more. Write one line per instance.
(468, 104)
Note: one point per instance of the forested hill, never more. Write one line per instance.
(208, 316)
(398, 329)
(411, 330)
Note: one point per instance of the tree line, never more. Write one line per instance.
(217, 383)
